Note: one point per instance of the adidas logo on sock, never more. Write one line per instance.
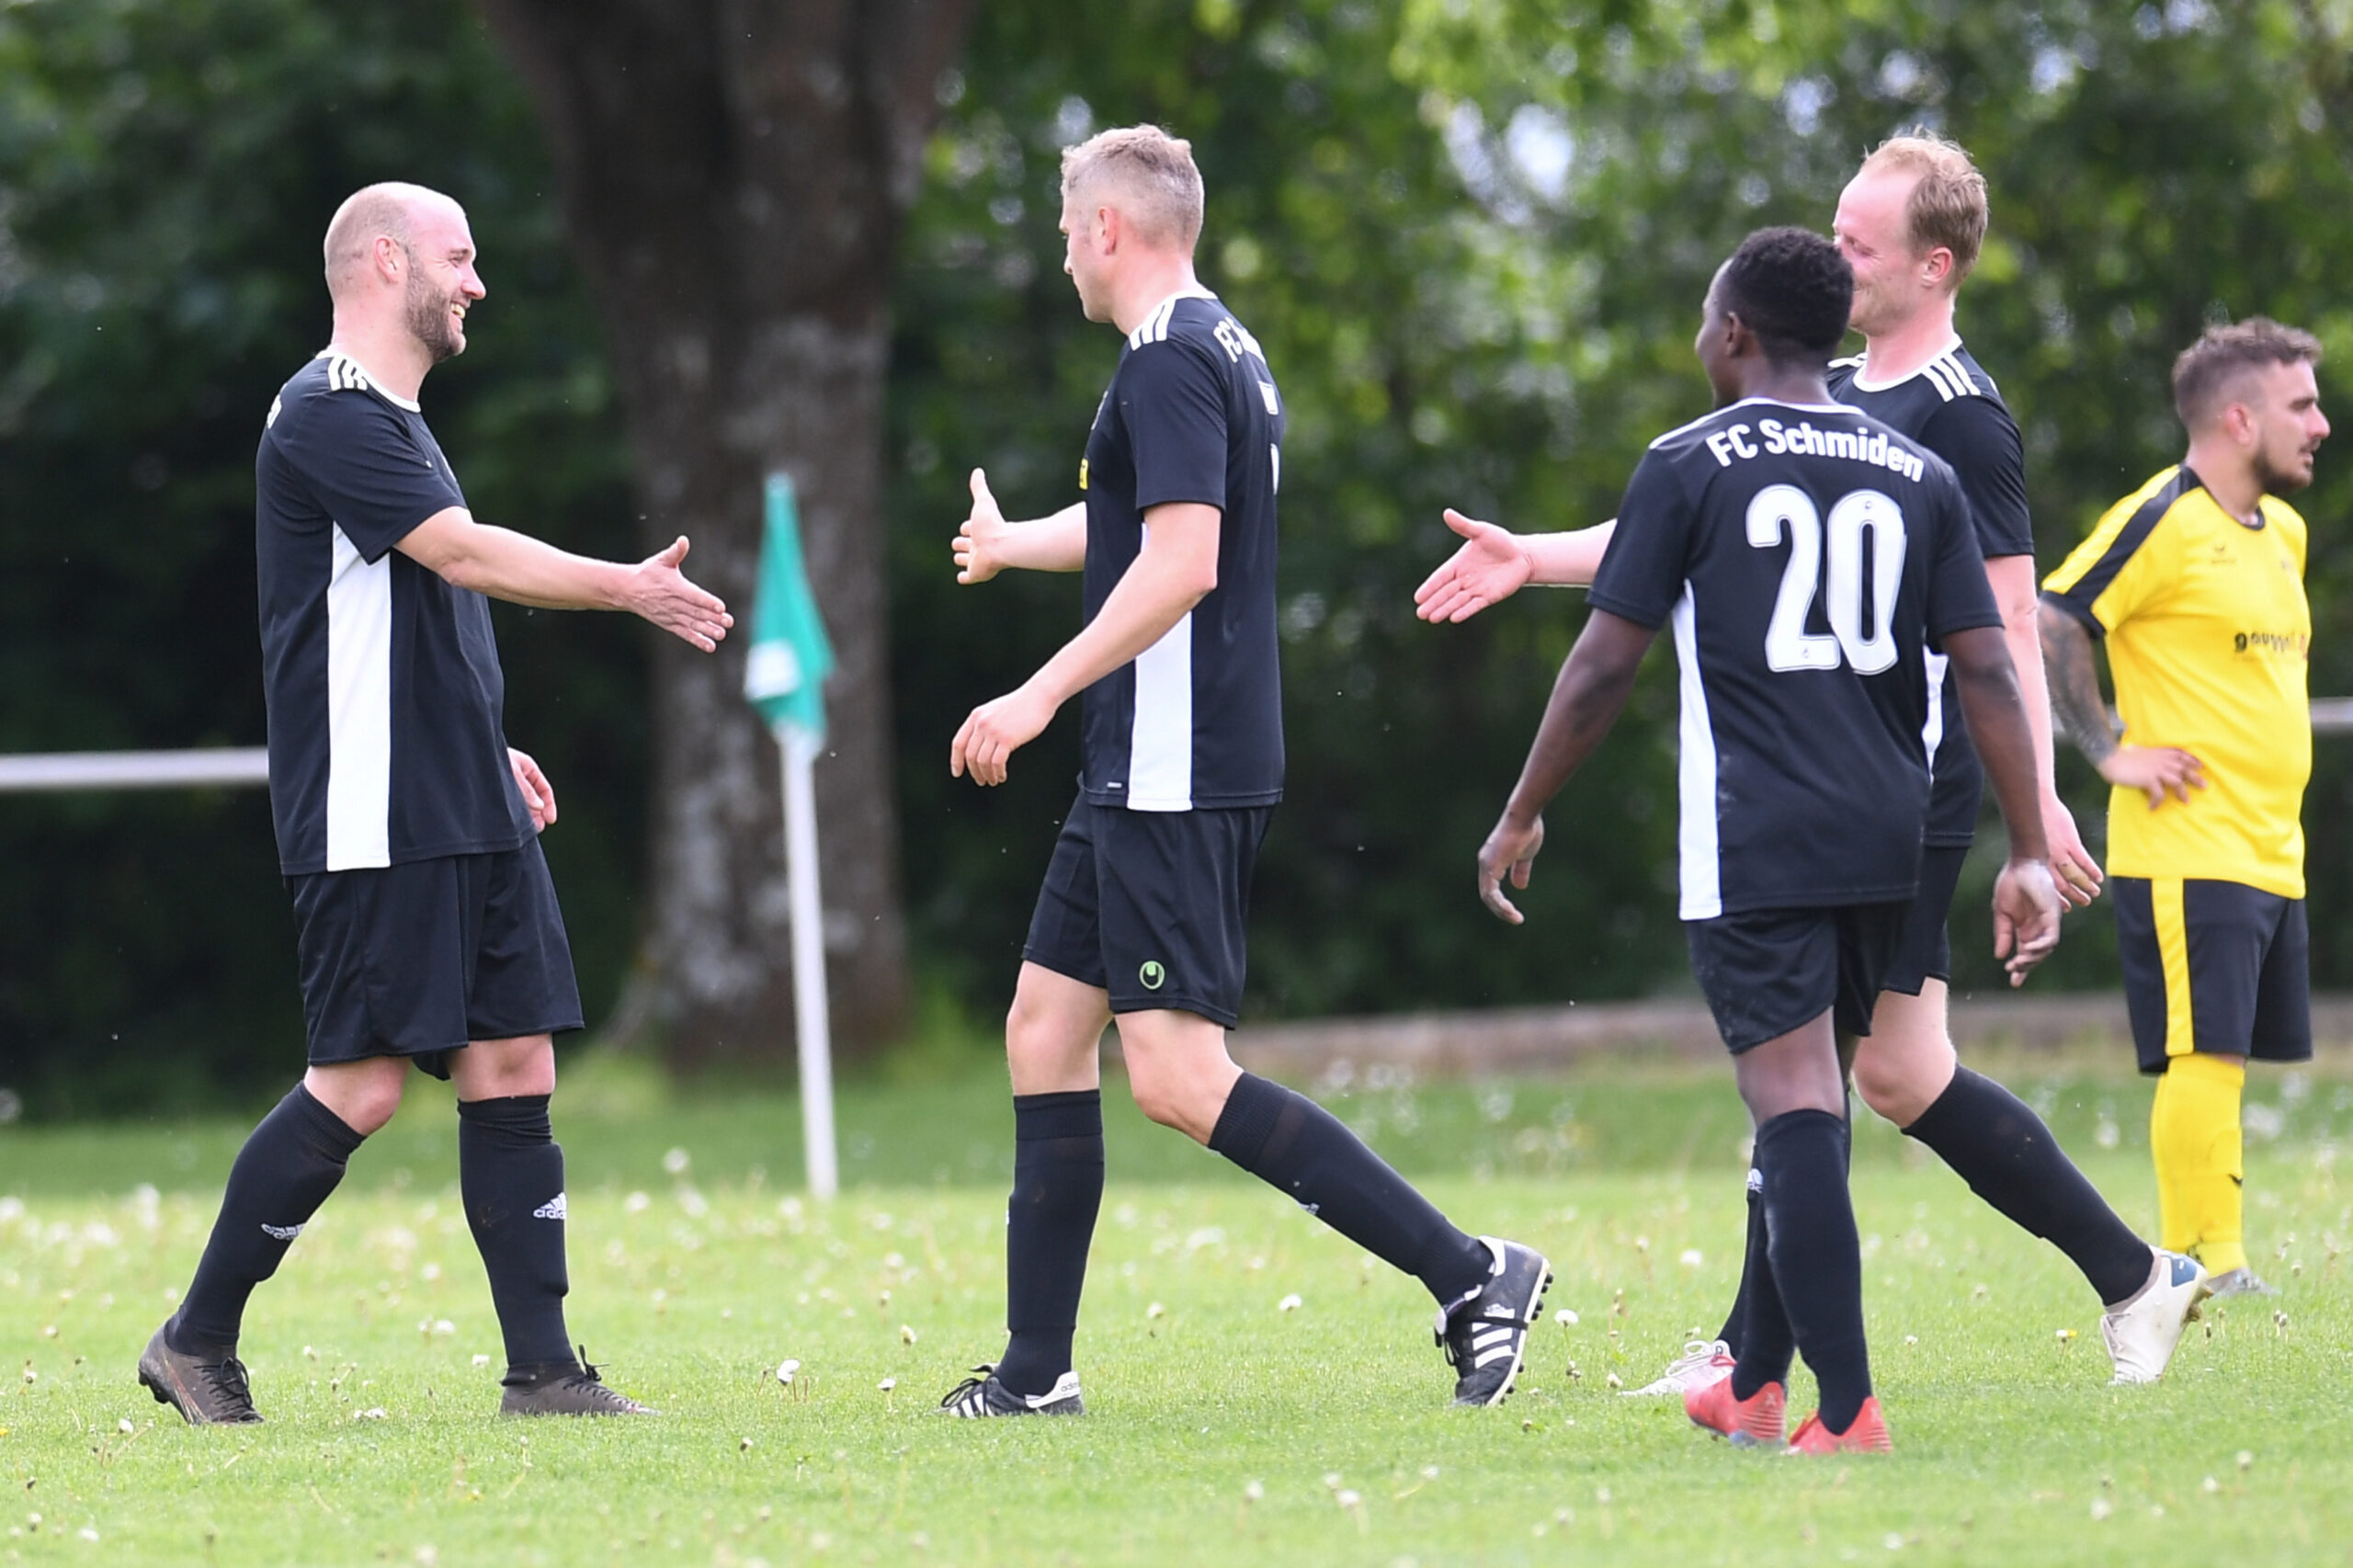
(551, 1209)
(283, 1233)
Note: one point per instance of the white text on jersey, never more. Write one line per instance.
(1732, 444)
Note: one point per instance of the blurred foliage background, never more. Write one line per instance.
(1471, 235)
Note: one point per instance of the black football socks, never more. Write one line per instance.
(285, 1171)
(1816, 1259)
(1995, 1143)
(1752, 1260)
(1291, 1143)
(510, 1176)
(1048, 1222)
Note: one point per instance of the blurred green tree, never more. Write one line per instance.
(167, 170)
(1470, 233)
(734, 181)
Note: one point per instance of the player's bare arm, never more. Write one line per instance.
(522, 570)
(988, 543)
(2076, 704)
(1175, 571)
(2015, 592)
(2026, 899)
(1493, 563)
(1594, 683)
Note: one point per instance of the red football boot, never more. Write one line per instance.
(1866, 1435)
(1747, 1422)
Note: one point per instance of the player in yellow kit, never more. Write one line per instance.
(2195, 582)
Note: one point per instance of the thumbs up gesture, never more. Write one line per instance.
(979, 543)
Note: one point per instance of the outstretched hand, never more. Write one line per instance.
(1510, 851)
(2026, 916)
(975, 549)
(1488, 568)
(659, 592)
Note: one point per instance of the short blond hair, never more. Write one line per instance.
(2213, 368)
(1948, 205)
(1155, 173)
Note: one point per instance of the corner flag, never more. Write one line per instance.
(784, 676)
(785, 672)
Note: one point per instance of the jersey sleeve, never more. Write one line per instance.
(1642, 573)
(1959, 596)
(2124, 567)
(364, 467)
(1173, 402)
(1980, 440)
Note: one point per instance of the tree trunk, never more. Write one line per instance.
(733, 176)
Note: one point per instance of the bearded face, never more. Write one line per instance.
(435, 315)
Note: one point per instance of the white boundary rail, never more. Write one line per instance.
(212, 767)
(246, 766)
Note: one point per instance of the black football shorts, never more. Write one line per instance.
(420, 958)
(1926, 952)
(1152, 906)
(1767, 972)
(2213, 966)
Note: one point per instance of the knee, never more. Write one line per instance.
(1902, 1086)
(1160, 1097)
(363, 1098)
(1187, 1096)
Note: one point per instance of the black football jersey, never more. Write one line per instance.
(1195, 720)
(387, 739)
(1951, 406)
(1807, 557)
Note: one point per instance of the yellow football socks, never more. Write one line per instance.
(2194, 1138)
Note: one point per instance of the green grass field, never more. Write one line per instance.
(1223, 1428)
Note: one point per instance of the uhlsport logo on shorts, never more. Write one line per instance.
(1154, 974)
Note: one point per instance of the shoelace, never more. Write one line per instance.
(970, 1391)
(1697, 1353)
(227, 1379)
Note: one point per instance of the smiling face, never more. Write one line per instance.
(1873, 228)
(2285, 425)
(442, 282)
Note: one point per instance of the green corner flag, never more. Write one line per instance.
(785, 674)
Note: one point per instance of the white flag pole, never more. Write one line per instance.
(811, 1024)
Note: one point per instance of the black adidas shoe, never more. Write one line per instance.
(982, 1396)
(208, 1390)
(564, 1388)
(1486, 1334)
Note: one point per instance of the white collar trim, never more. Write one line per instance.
(1952, 346)
(374, 384)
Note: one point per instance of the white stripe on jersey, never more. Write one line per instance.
(359, 709)
(1702, 869)
(1154, 325)
(346, 374)
(1932, 733)
(1160, 737)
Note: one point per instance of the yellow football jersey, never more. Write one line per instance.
(2208, 639)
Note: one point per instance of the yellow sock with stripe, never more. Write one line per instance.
(2194, 1139)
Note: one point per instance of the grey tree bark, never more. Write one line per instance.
(735, 174)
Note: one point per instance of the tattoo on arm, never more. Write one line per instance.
(2075, 701)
